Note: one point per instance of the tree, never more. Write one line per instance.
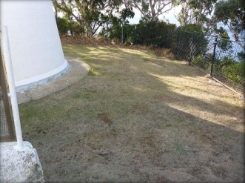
(68, 9)
(210, 12)
(197, 12)
(185, 15)
(88, 13)
(232, 14)
(55, 10)
(150, 9)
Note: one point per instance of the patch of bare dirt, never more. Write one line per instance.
(102, 116)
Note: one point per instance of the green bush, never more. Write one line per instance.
(150, 33)
(76, 28)
(153, 33)
(231, 69)
(235, 72)
(115, 32)
(63, 25)
(201, 61)
(224, 62)
(129, 33)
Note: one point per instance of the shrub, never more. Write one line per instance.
(63, 25)
(76, 28)
(235, 72)
(150, 33)
(231, 69)
(153, 33)
(115, 32)
(202, 61)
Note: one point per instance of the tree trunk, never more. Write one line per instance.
(89, 30)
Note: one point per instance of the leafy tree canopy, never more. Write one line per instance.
(150, 9)
(231, 13)
(195, 11)
(89, 13)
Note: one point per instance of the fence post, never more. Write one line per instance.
(166, 45)
(107, 34)
(177, 44)
(134, 34)
(213, 58)
(122, 32)
(191, 48)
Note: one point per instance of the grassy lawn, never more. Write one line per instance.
(137, 117)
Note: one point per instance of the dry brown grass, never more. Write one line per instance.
(137, 118)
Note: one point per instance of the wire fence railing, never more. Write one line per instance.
(6, 123)
(221, 58)
(6, 119)
(3, 121)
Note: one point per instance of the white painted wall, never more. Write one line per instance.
(35, 46)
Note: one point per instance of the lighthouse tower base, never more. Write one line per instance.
(33, 42)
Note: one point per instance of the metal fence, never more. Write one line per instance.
(6, 122)
(221, 58)
(8, 92)
(7, 132)
(4, 127)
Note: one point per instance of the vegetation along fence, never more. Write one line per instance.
(221, 58)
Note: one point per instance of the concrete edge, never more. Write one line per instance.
(42, 79)
(77, 70)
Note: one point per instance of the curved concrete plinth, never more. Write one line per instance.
(20, 166)
(77, 71)
(43, 79)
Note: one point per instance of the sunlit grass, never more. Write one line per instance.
(159, 110)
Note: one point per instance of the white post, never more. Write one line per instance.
(12, 92)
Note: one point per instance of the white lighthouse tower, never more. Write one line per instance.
(35, 47)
